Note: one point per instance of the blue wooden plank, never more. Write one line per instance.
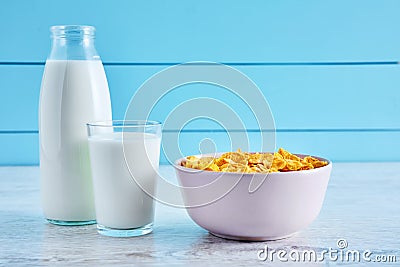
(336, 146)
(20, 90)
(19, 97)
(22, 149)
(178, 31)
(332, 97)
(301, 97)
(19, 149)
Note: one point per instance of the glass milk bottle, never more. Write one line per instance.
(74, 91)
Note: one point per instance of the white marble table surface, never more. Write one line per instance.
(362, 206)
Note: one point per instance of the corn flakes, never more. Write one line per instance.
(245, 162)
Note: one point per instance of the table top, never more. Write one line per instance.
(361, 208)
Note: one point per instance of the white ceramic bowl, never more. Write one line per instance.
(285, 203)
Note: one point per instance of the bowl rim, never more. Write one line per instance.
(177, 165)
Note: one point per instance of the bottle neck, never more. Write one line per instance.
(73, 43)
(84, 42)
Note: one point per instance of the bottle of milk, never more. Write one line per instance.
(74, 91)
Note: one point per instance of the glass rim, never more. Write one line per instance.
(124, 123)
(72, 31)
(73, 27)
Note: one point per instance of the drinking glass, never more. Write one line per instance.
(124, 159)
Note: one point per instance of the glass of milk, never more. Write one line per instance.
(124, 158)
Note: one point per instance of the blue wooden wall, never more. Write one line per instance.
(328, 68)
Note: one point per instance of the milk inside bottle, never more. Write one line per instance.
(74, 91)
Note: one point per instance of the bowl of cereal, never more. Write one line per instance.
(253, 196)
